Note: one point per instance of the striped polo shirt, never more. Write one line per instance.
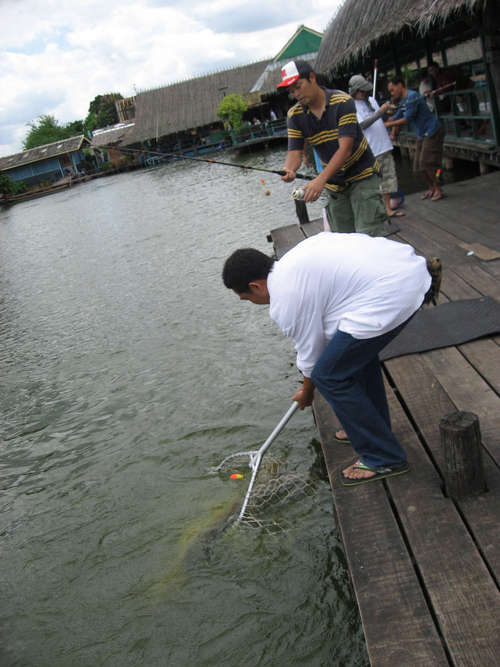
(338, 120)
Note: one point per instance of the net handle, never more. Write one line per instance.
(255, 460)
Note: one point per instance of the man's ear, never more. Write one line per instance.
(257, 285)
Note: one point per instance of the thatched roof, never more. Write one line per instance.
(359, 24)
(45, 152)
(189, 104)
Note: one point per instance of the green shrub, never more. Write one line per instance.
(11, 187)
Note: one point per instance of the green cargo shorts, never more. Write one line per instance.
(358, 208)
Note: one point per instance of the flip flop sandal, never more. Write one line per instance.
(380, 473)
(344, 441)
(396, 214)
(427, 195)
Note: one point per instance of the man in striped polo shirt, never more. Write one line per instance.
(327, 119)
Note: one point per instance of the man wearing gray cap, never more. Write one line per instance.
(370, 119)
(327, 119)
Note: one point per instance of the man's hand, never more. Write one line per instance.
(314, 189)
(289, 175)
(388, 107)
(304, 396)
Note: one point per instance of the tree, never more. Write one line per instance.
(102, 111)
(232, 108)
(46, 129)
(74, 128)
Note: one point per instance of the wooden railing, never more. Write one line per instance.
(467, 115)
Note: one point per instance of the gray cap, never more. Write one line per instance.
(358, 82)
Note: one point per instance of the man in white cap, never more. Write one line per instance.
(327, 119)
(370, 118)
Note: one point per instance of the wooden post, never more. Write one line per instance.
(301, 210)
(395, 59)
(463, 467)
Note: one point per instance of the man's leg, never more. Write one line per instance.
(388, 182)
(368, 208)
(339, 213)
(431, 177)
(348, 376)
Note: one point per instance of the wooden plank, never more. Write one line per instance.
(312, 228)
(463, 594)
(483, 354)
(481, 251)
(455, 287)
(398, 626)
(484, 357)
(469, 392)
(468, 268)
(427, 402)
(479, 278)
(429, 245)
(285, 238)
(458, 221)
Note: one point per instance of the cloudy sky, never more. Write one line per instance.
(57, 55)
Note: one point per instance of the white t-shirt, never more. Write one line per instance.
(376, 134)
(359, 284)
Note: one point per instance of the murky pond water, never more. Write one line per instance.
(127, 372)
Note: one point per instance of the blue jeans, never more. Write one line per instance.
(349, 376)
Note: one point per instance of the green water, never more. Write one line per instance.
(127, 372)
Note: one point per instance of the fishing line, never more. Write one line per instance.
(200, 159)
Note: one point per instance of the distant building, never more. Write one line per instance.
(184, 114)
(460, 35)
(125, 108)
(304, 45)
(105, 142)
(46, 163)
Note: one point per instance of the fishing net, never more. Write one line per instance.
(274, 488)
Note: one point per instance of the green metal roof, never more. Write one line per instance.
(305, 40)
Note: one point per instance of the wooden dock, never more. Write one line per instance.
(425, 569)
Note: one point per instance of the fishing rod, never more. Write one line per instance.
(200, 159)
(436, 91)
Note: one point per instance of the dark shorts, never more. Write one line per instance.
(429, 152)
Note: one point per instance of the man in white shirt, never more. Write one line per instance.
(370, 119)
(341, 298)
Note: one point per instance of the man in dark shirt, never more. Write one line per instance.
(414, 112)
(327, 119)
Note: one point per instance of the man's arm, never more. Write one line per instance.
(395, 123)
(378, 114)
(292, 163)
(315, 187)
(396, 127)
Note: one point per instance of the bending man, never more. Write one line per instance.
(341, 298)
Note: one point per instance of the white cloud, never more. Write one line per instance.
(59, 54)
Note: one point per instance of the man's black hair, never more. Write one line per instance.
(243, 267)
(396, 80)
